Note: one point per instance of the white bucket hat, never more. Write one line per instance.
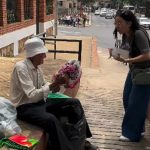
(34, 46)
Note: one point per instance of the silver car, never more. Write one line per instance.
(145, 22)
(97, 12)
(109, 15)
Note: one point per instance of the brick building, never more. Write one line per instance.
(67, 6)
(20, 19)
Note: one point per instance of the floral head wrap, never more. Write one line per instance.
(72, 70)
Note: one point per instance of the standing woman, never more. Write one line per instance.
(135, 97)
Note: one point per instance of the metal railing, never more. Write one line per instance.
(54, 41)
(55, 51)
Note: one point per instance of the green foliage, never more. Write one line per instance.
(130, 2)
(85, 2)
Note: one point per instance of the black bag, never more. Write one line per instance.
(140, 72)
(76, 133)
(141, 76)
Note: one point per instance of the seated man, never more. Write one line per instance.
(29, 92)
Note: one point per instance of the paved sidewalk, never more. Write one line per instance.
(101, 95)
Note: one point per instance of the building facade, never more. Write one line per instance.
(20, 19)
(104, 3)
(67, 7)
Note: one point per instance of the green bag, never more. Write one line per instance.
(141, 76)
(57, 96)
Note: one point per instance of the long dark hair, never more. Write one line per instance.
(128, 16)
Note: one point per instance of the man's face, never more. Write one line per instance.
(38, 59)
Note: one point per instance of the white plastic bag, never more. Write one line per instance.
(8, 113)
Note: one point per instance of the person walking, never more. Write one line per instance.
(135, 96)
(84, 20)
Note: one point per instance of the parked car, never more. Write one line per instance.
(103, 12)
(97, 12)
(144, 21)
(114, 12)
(109, 15)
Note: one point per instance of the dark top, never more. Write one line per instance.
(139, 44)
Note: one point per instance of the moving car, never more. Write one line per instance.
(97, 12)
(145, 22)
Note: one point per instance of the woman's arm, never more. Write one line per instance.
(143, 44)
(140, 58)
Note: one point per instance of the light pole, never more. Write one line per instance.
(37, 16)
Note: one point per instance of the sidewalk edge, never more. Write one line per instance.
(95, 57)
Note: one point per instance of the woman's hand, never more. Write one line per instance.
(121, 59)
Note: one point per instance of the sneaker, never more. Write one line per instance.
(124, 139)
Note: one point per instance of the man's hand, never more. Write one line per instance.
(54, 87)
(62, 80)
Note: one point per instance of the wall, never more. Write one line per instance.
(12, 34)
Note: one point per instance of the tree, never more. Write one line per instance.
(130, 2)
(86, 2)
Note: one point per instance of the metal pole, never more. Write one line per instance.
(37, 16)
(55, 16)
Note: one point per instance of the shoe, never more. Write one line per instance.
(124, 139)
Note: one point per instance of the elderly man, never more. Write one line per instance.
(29, 93)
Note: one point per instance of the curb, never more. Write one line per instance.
(94, 57)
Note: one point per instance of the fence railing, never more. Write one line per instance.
(55, 51)
(53, 40)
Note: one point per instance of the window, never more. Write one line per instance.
(70, 5)
(74, 5)
(27, 9)
(60, 3)
(49, 7)
(11, 11)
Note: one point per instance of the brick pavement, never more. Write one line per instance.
(101, 96)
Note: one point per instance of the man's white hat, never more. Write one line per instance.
(34, 46)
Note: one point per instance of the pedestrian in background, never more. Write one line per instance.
(84, 20)
(135, 97)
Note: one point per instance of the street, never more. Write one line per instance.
(101, 28)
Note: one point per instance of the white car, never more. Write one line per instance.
(103, 13)
(97, 12)
(145, 22)
(109, 15)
